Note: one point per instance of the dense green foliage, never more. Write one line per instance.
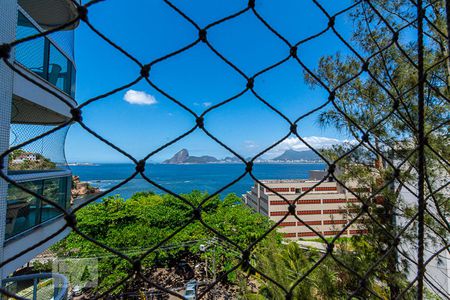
(141, 222)
(379, 108)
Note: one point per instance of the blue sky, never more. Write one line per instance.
(198, 78)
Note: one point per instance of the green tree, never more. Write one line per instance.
(379, 107)
(141, 222)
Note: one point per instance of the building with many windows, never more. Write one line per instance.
(33, 100)
(327, 207)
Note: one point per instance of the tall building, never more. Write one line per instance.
(327, 207)
(437, 275)
(29, 107)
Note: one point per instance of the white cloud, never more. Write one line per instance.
(139, 98)
(293, 143)
(206, 104)
(249, 144)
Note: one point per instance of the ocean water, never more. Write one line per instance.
(185, 178)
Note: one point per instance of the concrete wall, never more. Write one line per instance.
(8, 21)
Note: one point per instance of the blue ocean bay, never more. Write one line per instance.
(187, 177)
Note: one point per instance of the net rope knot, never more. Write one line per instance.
(293, 128)
(332, 168)
(332, 96)
(71, 220)
(140, 166)
(197, 213)
(365, 66)
(365, 137)
(365, 207)
(330, 248)
(202, 35)
(250, 83)
(200, 122)
(249, 166)
(395, 36)
(82, 13)
(137, 265)
(293, 51)
(396, 104)
(76, 114)
(331, 21)
(291, 209)
(5, 51)
(145, 71)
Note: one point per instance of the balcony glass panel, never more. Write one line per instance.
(55, 189)
(43, 58)
(22, 208)
(25, 211)
(30, 54)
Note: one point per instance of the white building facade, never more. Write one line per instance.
(29, 107)
(327, 207)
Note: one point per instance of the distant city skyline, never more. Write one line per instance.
(140, 119)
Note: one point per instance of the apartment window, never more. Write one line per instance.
(278, 202)
(25, 211)
(310, 201)
(278, 190)
(283, 224)
(325, 188)
(54, 189)
(333, 232)
(309, 212)
(304, 189)
(306, 234)
(289, 235)
(309, 223)
(333, 222)
(334, 200)
(43, 58)
(278, 213)
(358, 231)
(334, 211)
(32, 53)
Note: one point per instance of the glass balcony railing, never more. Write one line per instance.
(42, 286)
(43, 58)
(24, 211)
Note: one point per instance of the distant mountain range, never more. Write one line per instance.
(292, 155)
(183, 157)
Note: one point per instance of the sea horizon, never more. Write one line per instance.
(184, 178)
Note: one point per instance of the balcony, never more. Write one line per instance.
(51, 65)
(25, 212)
(51, 13)
(44, 58)
(43, 286)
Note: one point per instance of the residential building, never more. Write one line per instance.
(437, 275)
(32, 101)
(327, 207)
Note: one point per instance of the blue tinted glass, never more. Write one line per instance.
(30, 54)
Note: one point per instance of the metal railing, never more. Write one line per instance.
(41, 286)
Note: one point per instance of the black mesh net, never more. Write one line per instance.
(390, 93)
